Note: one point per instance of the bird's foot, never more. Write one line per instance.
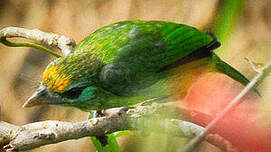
(96, 114)
(116, 111)
(107, 112)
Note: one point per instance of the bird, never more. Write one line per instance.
(126, 63)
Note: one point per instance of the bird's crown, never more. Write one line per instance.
(67, 69)
(54, 78)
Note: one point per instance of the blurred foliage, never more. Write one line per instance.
(112, 144)
(21, 68)
(227, 17)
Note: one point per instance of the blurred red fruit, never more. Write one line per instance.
(244, 127)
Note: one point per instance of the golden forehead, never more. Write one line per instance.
(54, 80)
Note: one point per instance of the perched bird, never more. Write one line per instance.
(126, 63)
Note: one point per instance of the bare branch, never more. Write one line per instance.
(65, 44)
(8, 132)
(255, 66)
(37, 134)
(262, 73)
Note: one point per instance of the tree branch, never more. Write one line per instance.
(65, 44)
(20, 138)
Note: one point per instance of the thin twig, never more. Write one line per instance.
(65, 44)
(236, 101)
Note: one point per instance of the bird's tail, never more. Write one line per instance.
(223, 67)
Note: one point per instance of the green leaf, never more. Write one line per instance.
(112, 145)
(30, 45)
(97, 144)
(122, 133)
(229, 15)
(90, 115)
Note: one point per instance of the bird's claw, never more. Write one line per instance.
(116, 111)
(97, 114)
(108, 112)
(124, 109)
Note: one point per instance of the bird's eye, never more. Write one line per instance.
(73, 93)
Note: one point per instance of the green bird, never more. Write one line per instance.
(126, 63)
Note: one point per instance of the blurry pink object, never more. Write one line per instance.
(244, 127)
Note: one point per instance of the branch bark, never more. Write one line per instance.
(30, 136)
(65, 44)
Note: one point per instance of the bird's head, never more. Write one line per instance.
(69, 80)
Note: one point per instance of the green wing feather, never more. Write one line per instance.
(134, 52)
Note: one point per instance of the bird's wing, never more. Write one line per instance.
(135, 53)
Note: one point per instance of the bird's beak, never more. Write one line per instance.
(37, 98)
